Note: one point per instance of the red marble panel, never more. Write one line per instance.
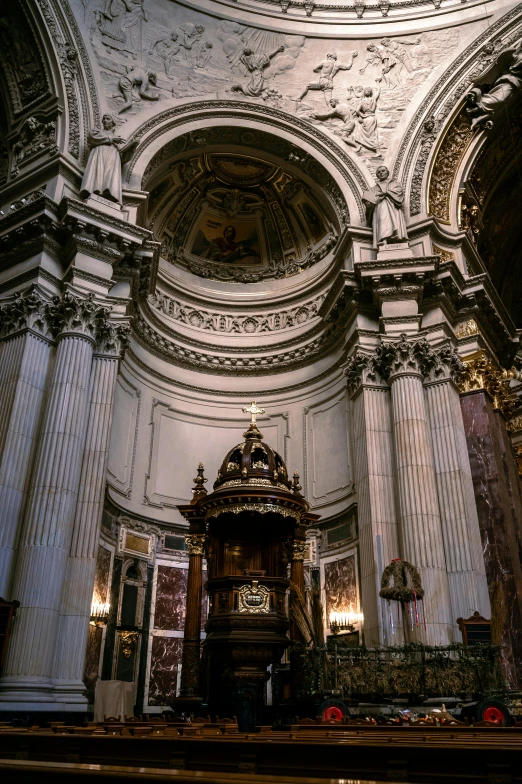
(165, 660)
(340, 585)
(171, 594)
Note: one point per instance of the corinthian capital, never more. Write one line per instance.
(359, 370)
(71, 313)
(25, 311)
(404, 357)
(444, 364)
(195, 543)
(111, 338)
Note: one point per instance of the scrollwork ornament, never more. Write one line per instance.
(254, 507)
(195, 544)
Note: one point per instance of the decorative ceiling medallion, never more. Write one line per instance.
(240, 169)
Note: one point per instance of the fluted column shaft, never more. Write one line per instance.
(460, 526)
(189, 686)
(377, 519)
(46, 538)
(81, 563)
(24, 366)
(420, 525)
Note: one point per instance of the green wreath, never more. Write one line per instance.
(400, 591)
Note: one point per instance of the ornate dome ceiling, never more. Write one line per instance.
(239, 205)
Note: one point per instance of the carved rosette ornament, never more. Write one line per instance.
(195, 544)
(481, 374)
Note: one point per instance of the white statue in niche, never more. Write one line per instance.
(103, 170)
(385, 205)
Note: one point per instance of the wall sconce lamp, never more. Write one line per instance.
(344, 622)
(99, 613)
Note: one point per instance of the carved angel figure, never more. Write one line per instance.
(385, 206)
(506, 77)
(103, 170)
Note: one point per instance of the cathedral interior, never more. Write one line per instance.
(261, 390)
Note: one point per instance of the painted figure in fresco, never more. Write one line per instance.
(136, 79)
(255, 65)
(166, 49)
(103, 170)
(385, 208)
(226, 248)
(328, 70)
(506, 77)
(366, 112)
(383, 57)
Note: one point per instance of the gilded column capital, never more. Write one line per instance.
(26, 310)
(299, 549)
(195, 544)
(361, 370)
(481, 373)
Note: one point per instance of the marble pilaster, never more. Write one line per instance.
(421, 539)
(79, 579)
(24, 368)
(458, 510)
(47, 530)
(374, 478)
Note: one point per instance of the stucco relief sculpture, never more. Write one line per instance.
(103, 171)
(328, 69)
(385, 204)
(255, 64)
(505, 76)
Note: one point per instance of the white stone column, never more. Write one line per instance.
(374, 480)
(460, 526)
(420, 525)
(47, 530)
(81, 563)
(24, 368)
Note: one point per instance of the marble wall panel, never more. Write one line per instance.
(340, 585)
(102, 575)
(171, 593)
(165, 659)
(498, 505)
(92, 660)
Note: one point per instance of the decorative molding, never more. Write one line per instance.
(261, 508)
(455, 142)
(299, 550)
(132, 438)
(234, 323)
(262, 114)
(467, 328)
(445, 255)
(515, 425)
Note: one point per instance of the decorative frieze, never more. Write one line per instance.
(233, 323)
